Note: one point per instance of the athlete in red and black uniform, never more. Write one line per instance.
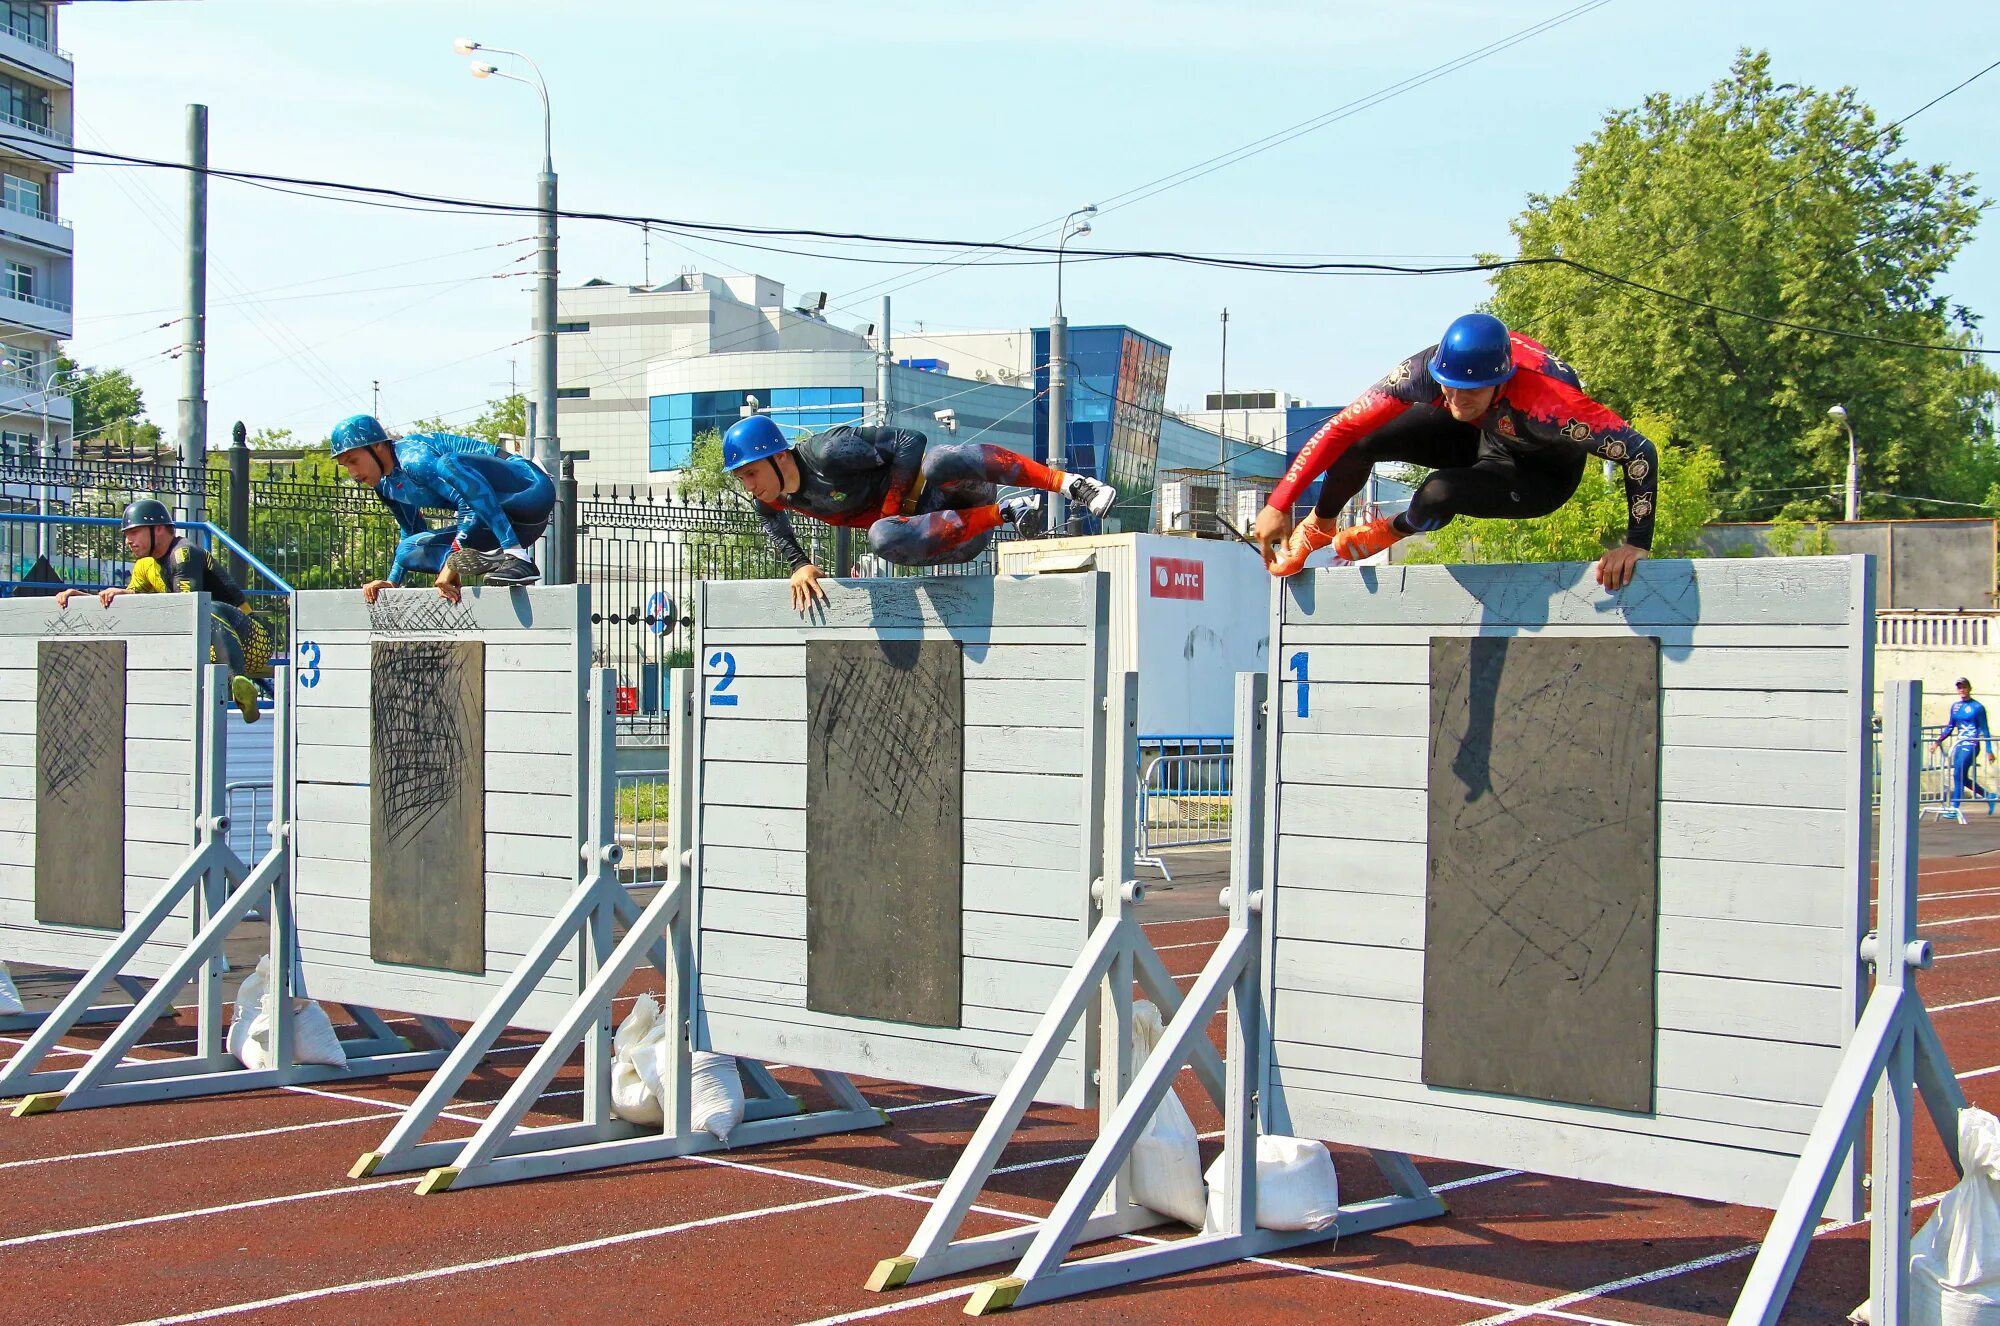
(1503, 425)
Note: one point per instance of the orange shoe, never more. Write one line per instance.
(1361, 541)
(1308, 537)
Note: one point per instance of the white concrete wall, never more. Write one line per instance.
(1001, 355)
(1187, 651)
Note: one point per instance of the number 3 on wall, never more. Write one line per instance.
(1297, 663)
(719, 695)
(309, 655)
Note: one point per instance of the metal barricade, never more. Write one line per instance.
(1937, 775)
(1183, 802)
(249, 810)
(642, 827)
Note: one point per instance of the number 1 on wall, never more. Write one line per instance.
(1297, 663)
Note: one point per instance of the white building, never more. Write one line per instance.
(37, 81)
(1247, 416)
(687, 396)
(611, 334)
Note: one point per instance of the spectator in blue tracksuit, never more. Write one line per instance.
(1966, 732)
(503, 503)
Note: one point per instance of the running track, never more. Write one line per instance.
(236, 1209)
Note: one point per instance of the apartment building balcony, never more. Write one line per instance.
(40, 143)
(32, 226)
(37, 313)
(36, 57)
(22, 400)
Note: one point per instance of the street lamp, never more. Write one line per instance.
(1059, 367)
(1853, 464)
(544, 444)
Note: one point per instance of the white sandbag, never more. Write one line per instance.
(1166, 1160)
(10, 998)
(631, 1099)
(640, 1024)
(314, 1041)
(1955, 1257)
(635, 1089)
(716, 1106)
(1296, 1186)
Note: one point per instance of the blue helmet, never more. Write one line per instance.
(751, 440)
(1474, 352)
(357, 430)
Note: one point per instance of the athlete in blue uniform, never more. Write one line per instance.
(503, 503)
(1966, 731)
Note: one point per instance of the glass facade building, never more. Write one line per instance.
(675, 421)
(1117, 389)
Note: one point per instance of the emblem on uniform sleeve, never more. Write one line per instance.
(1578, 431)
(1642, 508)
(1640, 469)
(1504, 426)
(1398, 375)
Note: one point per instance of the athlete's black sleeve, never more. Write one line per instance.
(193, 571)
(778, 533)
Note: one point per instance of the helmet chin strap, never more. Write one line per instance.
(776, 473)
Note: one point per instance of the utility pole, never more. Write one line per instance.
(194, 321)
(884, 357)
(1058, 416)
(377, 411)
(561, 540)
(646, 250)
(1222, 421)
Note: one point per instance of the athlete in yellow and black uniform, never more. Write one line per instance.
(168, 564)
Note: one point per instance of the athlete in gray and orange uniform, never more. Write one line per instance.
(1505, 429)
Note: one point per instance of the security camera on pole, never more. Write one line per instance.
(1059, 371)
(561, 540)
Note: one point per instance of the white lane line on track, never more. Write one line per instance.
(937, 1104)
(512, 1259)
(1553, 1306)
(1964, 1003)
(190, 1141)
(1274, 1263)
(1969, 953)
(169, 1217)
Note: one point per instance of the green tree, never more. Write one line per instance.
(1792, 204)
(703, 475)
(1797, 538)
(1594, 519)
(101, 397)
(503, 418)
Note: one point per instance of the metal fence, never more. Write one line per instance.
(642, 827)
(643, 554)
(1184, 801)
(1936, 776)
(249, 809)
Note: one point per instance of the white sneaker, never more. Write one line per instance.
(1094, 497)
(1024, 513)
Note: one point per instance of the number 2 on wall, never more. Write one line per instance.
(719, 695)
(1297, 663)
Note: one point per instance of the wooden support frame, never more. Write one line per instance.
(1895, 1054)
(1097, 1203)
(503, 1149)
(223, 890)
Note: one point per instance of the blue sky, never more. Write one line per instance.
(961, 120)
